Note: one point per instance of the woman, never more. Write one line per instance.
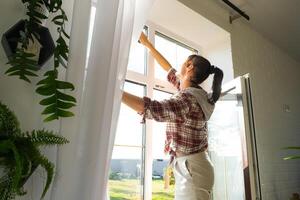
(186, 114)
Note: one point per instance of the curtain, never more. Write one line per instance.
(82, 166)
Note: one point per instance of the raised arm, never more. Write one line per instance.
(158, 57)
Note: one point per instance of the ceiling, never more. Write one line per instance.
(277, 20)
(186, 23)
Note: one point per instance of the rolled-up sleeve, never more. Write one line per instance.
(173, 79)
(174, 109)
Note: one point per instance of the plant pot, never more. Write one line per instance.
(11, 37)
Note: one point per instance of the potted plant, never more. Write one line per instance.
(28, 45)
(20, 155)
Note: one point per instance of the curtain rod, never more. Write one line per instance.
(234, 7)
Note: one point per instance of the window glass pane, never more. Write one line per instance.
(137, 58)
(159, 129)
(168, 50)
(175, 53)
(125, 173)
(160, 188)
(130, 118)
(127, 166)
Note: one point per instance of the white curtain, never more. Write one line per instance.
(82, 166)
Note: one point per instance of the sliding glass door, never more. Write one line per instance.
(232, 144)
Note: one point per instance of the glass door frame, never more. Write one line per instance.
(241, 89)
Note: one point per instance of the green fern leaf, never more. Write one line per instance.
(65, 97)
(60, 60)
(63, 113)
(39, 15)
(65, 34)
(50, 109)
(56, 103)
(65, 105)
(6, 190)
(64, 85)
(58, 17)
(48, 101)
(49, 167)
(46, 90)
(9, 125)
(22, 65)
(51, 118)
(43, 137)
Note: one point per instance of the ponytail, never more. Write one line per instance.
(216, 85)
(202, 70)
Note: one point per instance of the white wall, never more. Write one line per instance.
(219, 54)
(21, 97)
(275, 82)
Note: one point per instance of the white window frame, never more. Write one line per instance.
(148, 79)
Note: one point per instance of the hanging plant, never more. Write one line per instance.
(29, 45)
(20, 155)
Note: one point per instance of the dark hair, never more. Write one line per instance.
(202, 69)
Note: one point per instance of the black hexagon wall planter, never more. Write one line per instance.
(10, 41)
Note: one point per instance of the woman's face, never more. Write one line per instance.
(186, 70)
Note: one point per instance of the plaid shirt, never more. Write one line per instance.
(186, 125)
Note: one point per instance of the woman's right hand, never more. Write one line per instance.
(158, 57)
(144, 40)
